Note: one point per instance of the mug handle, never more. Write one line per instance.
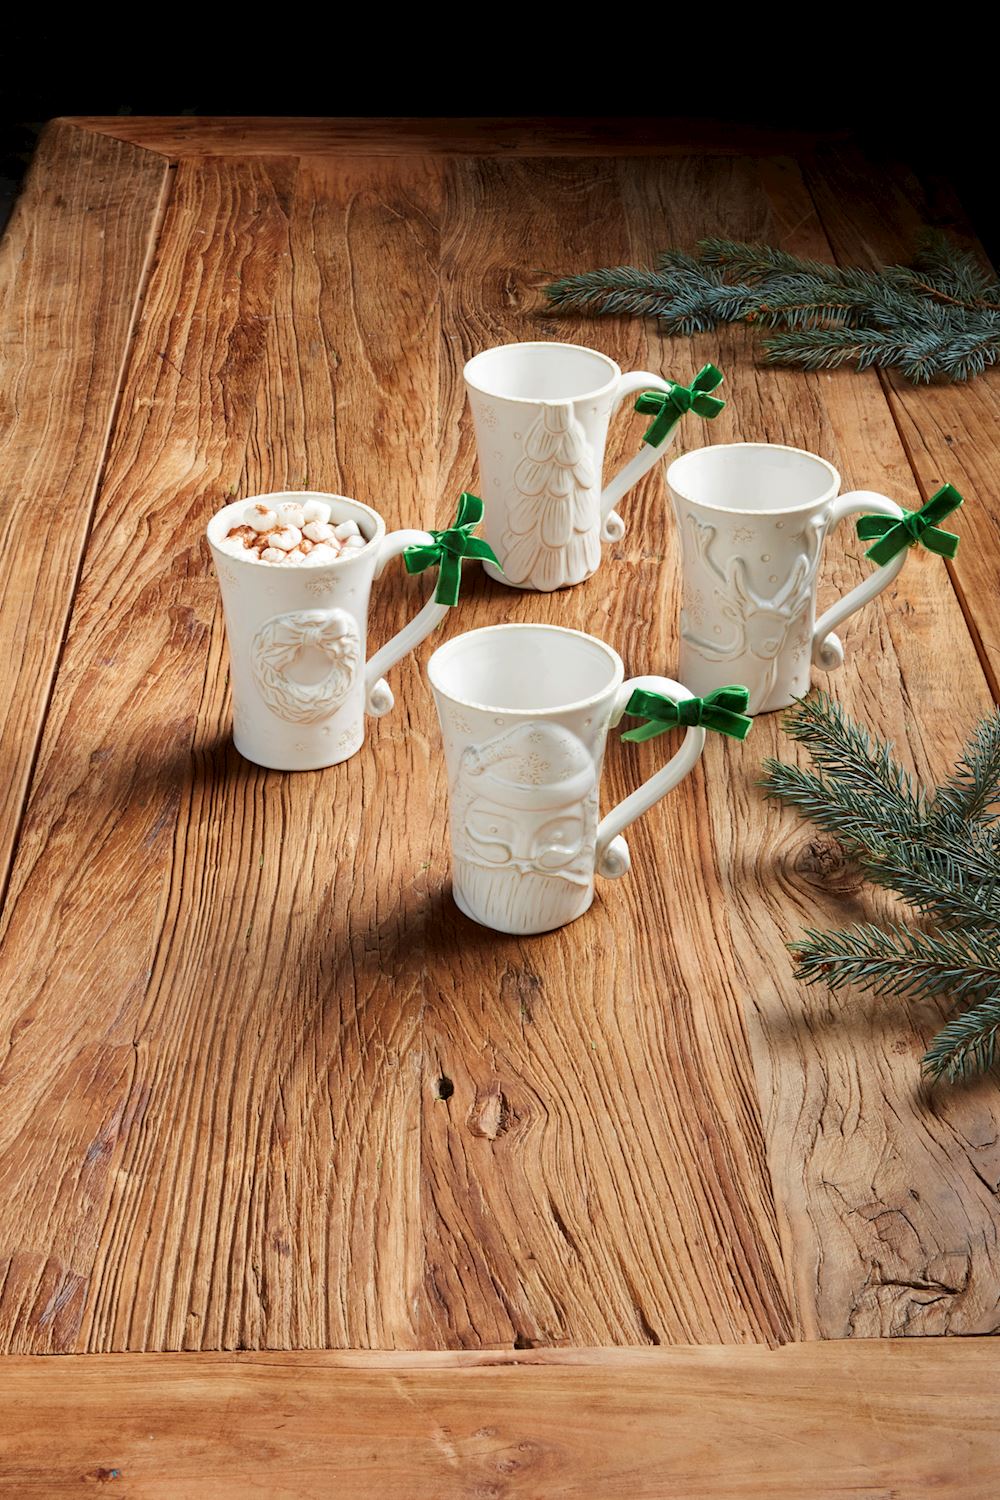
(612, 525)
(611, 856)
(827, 648)
(378, 694)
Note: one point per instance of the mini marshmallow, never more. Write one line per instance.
(234, 545)
(323, 553)
(290, 513)
(295, 557)
(346, 529)
(305, 546)
(318, 531)
(287, 538)
(354, 542)
(273, 554)
(260, 517)
(316, 510)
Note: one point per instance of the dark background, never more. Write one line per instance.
(927, 103)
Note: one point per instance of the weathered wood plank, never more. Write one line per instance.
(871, 217)
(850, 1421)
(72, 264)
(886, 1190)
(90, 912)
(597, 1175)
(480, 135)
(276, 1187)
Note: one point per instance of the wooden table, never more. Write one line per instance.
(620, 1210)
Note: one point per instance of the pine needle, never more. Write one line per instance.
(940, 852)
(936, 318)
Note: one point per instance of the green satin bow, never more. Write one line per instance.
(671, 405)
(449, 547)
(722, 711)
(916, 526)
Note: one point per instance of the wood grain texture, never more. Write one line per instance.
(369, 135)
(90, 907)
(886, 1188)
(72, 264)
(850, 1421)
(274, 1191)
(597, 1175)
(873, 216)
(261, 1084)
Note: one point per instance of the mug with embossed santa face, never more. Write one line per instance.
(297, 624)
(753, 518)
(525, 712)
(541, 414)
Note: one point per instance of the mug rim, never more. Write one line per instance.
(278, 496)
(447, 647)
(601, 390)
(829, 493)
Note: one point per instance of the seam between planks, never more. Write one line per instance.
(152, 243)
(890, 400)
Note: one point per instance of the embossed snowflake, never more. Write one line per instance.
(348, 739)
(319, 586)
(743, 534)
(463, 726)
(695, 608)
(489, 416)
(534, 770)
(228, 575)
(800, 645)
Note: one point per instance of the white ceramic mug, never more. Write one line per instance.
(297, 640)
(525, 712)
(753, 518)
(541, 414)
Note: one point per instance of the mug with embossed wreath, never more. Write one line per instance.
(541, 414)
(753, 519)
(525, 713)
(296, 571)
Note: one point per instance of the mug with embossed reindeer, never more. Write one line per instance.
(541, 413)
(753, 518)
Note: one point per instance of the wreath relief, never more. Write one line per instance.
(276, 646)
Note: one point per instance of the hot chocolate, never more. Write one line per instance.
(292, 534)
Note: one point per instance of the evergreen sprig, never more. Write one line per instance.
(939, 851)
(939, 316)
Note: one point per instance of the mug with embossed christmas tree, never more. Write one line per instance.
(525, 713)
(541, 413)
(753, 519)
(296, 571)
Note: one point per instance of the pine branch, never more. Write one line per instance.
(967, 1044)
(939, 317)
(916, 964)
(940, 853)
(850, 815)
(973, 790)
(937, 884)
(857, 759)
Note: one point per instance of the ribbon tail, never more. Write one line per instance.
(944, 543)
(661, 429)
(647, 731)
(736, 726)
(449, 577)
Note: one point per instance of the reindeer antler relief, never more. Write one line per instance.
(761, 624)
